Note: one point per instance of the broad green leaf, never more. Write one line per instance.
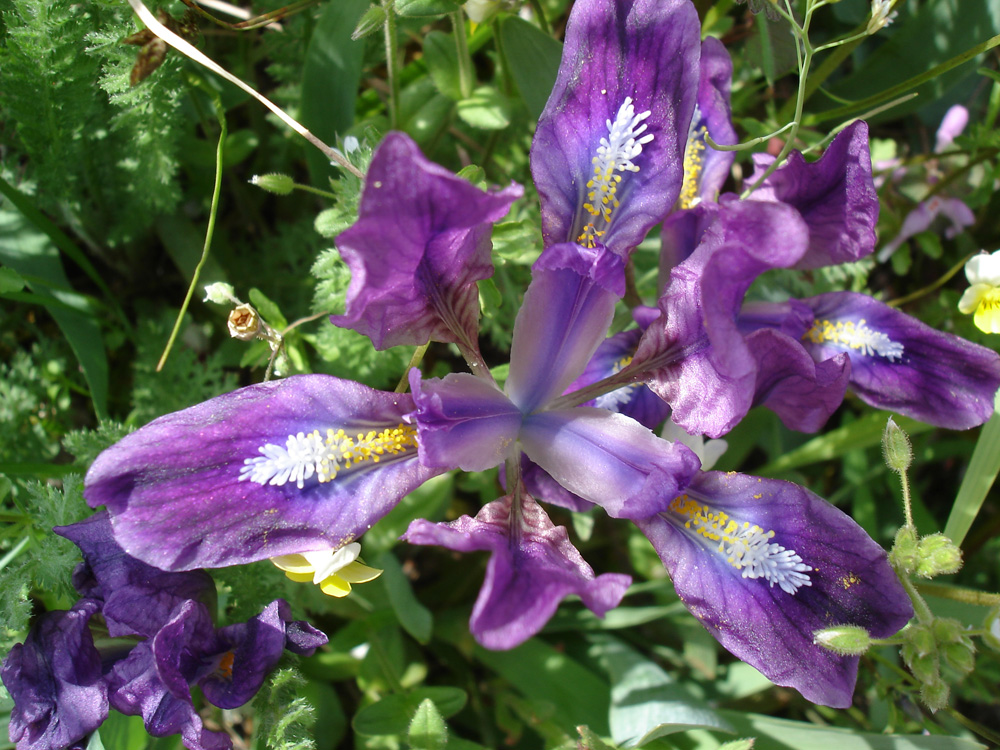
(486, 109)
(415, 618)
(427, 729)
(781, 734)
(551, 678)
(979, 478)
(423, 112)
(267, 309)
(392, 714)
(418, 8)
(533, 57)
(10, 280)
(330, 78)
(30, 253)
(863, 433)
(772, 48)
(646, 702)
(441, 58)
(120, 732)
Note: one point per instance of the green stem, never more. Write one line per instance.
(543, 24)
(392, 61)
(931, 287)
(315, 191)
(6, 559)
(221, 115)
(466, 79)
(920, 607)
(959, 594)
(415, 361)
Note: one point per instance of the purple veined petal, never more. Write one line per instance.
(421, 242)
(764, 564)
(540, 485)
(952, 125)
(903, 365)
(252, 650)
(152, 681)
(621, 60)
(462, 421)
(137, 599)
(680, 235)
(238, 478)
(924, 215)
(835, 195)
(565, 316)
(706, 169)
(608, 459)
(634, 400)
(802, 392)
(792, 317)
(694, 355)
(532, 567)
(55, 681)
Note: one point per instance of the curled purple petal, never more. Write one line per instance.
(463, 421)
(55, 680)
(608, 459)
(137, 599)
(564, 317)
(803, 392)
(259, 472)
(764, 564)
(421, 242)
(532, 567)
(835, 195)
(694, 355)
(903, 365)
(621, 59)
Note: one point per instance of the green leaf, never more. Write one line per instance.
(590, 741)
(441, 57)
(486, 109)
(415, 618)
(392, 714)
(120, 732)
(330, 78)
(31, 253)
(781, 734)
(10, 280)
(418, 8)
(979, 478)
(533, 57)
(269, 311)
(862, 433)
(427, 730)
(548, 677)
(646, 702)
(423, 112)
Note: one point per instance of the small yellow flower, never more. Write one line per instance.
(983, 296)
(334, 570)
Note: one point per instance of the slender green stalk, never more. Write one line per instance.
(466, 77)
(392, 61)
(209, 232)
(6, 559)
(959, 594)
(920, 607)
(415, 360)
(931, 287)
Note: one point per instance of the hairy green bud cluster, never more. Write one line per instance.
(928, 556)
(933, 646)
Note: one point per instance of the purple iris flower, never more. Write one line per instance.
(622, 137)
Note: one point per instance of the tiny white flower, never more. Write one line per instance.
(220, 293)
(881, 15)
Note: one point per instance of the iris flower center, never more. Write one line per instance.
(743, 545)
(693, 157)
(304, 456)
(858, 336)
(615, 154)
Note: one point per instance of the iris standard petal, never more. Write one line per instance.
(608, 459)
(532, 567)
(621, 59)
(462, 421)
(835, 195)
(694, 355)
(903, 365)
(565, 316)
(309, 462)
(764, 564)
(421, 242)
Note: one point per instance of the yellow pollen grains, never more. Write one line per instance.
(693, 157)
(307, 455)
(744, 546)
(854, 335)
(615, 153)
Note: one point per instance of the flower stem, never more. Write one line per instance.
(465, 74)
(920, 607)
(392, 61)
(959, 594)
(415, 360)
